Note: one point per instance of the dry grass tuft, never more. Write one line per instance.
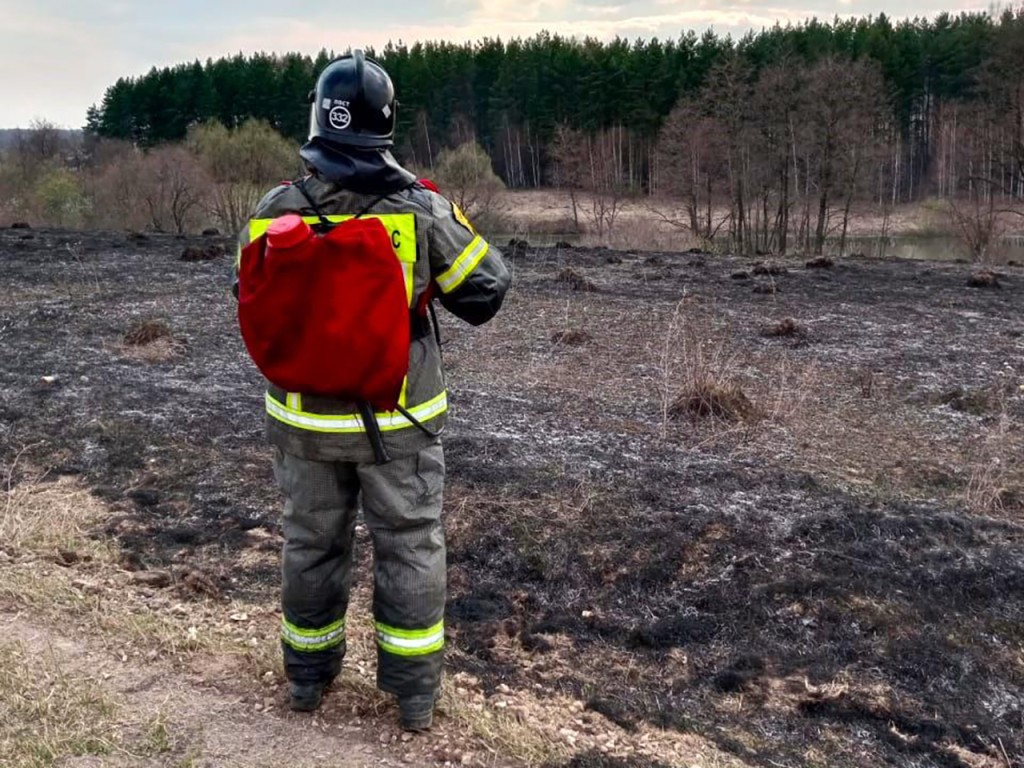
(47, 713)
(785, 328)
(976, 402)
(202, 253)
(53, 567)
(983, 278)
(147, 332)
(994, 487)
(518, 247)
(160, 351)
(48, 517)
(574, 280)
(769, 268)
(151, 341)
(574, 338)
(726, 402)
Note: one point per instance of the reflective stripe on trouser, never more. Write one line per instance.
(401, 504)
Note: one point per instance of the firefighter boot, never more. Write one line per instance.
(416, 713)
(306, 696)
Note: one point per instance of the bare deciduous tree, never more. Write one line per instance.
(691, 161)
(173, 188)
(590, 164)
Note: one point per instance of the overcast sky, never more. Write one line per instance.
(57, 56)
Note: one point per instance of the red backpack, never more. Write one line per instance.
(326, 312)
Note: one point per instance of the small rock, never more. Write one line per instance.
(48, 379)
(239, 617)
(502, 688)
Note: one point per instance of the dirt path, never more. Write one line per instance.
(180, 718)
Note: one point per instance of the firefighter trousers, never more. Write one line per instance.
(401, 505)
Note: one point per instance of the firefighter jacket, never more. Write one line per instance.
(441, 255)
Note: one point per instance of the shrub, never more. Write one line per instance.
(244, 164)
(465, 175)
(60, 199)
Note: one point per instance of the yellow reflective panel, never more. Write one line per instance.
(401, 228)
(461, 218)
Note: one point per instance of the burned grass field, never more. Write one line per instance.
(775, 507)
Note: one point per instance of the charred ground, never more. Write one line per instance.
(834, 577)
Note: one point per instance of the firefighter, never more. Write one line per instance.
(325, 459)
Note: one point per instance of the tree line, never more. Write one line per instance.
(765, 143)
(513, 96)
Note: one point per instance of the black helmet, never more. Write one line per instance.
(353, 104)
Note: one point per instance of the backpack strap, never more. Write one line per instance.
(301, 186)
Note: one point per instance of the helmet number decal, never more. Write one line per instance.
(340, 118)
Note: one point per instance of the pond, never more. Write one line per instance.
(929, 248)
(917, 247)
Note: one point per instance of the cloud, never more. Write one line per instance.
(64, 55)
